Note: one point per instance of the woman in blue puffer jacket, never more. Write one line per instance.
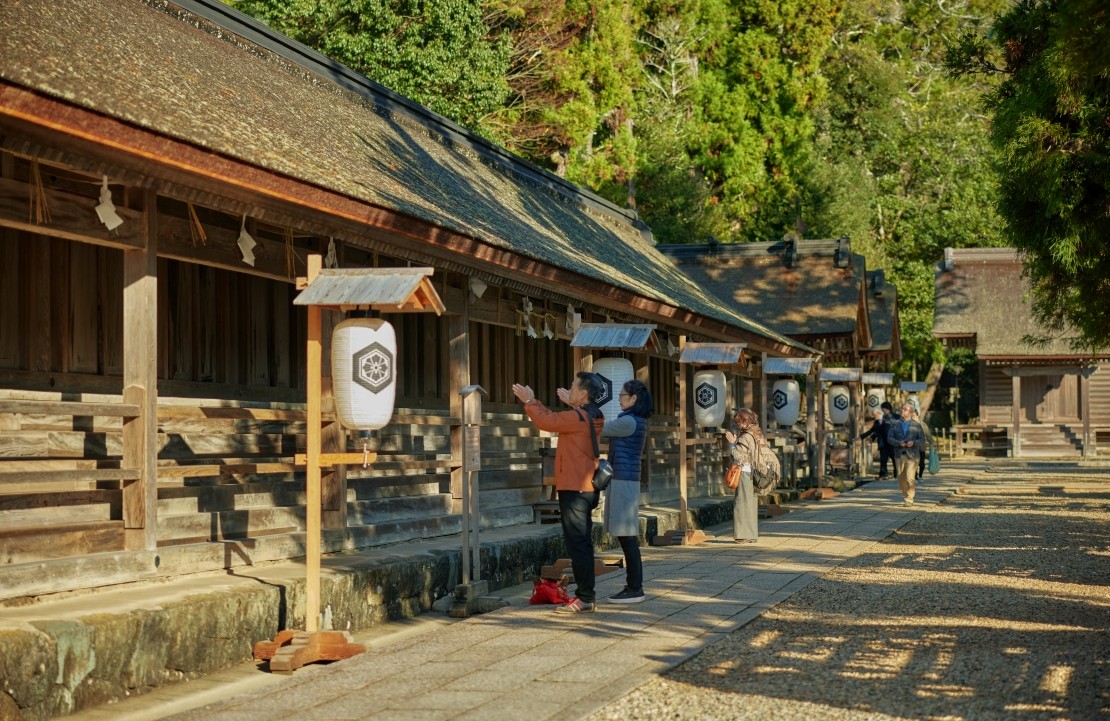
(628, 435)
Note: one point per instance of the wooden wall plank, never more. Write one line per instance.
(10, 305)
(208, 313)
(281, 348)
(83, 308)
(60, 327)
(110, 302)
(37, 311)
(261, 318)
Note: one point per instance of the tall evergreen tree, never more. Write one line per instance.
(1051, 130)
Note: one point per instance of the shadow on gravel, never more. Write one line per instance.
(987, 607)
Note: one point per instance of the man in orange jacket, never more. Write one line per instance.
(575, 463)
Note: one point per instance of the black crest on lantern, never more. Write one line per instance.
(841, 402)
(705, 395)
(372, 367)
(606, 389)
(779, 399)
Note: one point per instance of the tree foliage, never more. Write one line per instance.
(1051, 131)
(436, 52)
(737, 119)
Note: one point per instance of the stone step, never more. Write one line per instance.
(380, 510)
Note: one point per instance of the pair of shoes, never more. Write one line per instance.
(577, 605)
(746, 540)
(907, 502)
(628, 595)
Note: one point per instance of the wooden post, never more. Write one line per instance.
(853, 430)
(333, 484)
(763, 393)
(312, 448)
(458, 372)
(682, 421)
(140, 383)
(1085, 409)
(811, 422)
(819, 392)
(1016, 400)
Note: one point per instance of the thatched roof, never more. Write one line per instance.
(980, 292)
(272, 103)
(800, 293)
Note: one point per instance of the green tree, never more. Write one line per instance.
(439, 53)
(900, 160)
(1051, 131)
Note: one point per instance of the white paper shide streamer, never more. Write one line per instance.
(106, 209)
(363, 363)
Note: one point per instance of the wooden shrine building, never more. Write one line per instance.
(165, 171)
(1034, 400)
(815, 291)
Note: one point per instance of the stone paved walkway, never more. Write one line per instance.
(525, 662)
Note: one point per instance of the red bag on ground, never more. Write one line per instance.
(548, 590)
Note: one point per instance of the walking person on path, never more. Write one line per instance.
(742, 448)
(575, 464)
(926, 448)
(628, 435)
(907, 441)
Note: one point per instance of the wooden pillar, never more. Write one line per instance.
(682, 421)
(811, 423)
(1085, 410)
(1016, 401)
(763, 392)
(458, 370)
(853, 429)
(140, 383)
(313, 447)
(819, 393)
(641, 365)
(333, 439)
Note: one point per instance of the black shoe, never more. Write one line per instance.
(628, 595)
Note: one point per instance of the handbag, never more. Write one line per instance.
(934, 461)
(604, 471)
(732, 476)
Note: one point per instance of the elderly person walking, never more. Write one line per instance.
(574, 471)
(742, 448)
(906, 441)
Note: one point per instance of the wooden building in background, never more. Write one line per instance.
(1044, 400)
(817, 292)
(152, 372)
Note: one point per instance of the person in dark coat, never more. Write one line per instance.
(878, 432)
(907, 441)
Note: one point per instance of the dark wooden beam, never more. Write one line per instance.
(72, 217)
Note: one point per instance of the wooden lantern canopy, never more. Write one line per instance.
(386, 290)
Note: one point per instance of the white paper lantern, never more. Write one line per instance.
(710, 398)
(839, 403)
(786, 400)
(614, 373)
(363, 371)
(875, 399)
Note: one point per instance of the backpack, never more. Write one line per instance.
(766, 469)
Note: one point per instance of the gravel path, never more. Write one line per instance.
(993, 605)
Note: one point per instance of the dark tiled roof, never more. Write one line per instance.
(983, 293)
(813, 297)
(165, 70)
(882, 312)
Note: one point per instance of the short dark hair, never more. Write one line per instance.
(886, 406)
(592, 384)
(644, 404)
